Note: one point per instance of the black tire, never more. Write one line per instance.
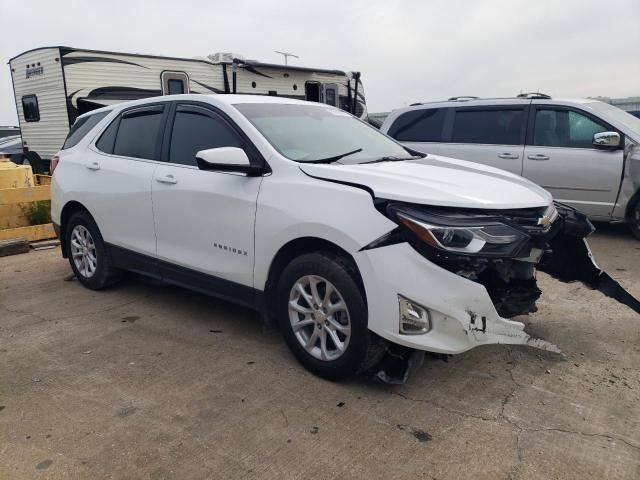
(634, 219)
(363, 348)
(33, 159)
(105, 274)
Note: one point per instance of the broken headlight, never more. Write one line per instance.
(467, 235)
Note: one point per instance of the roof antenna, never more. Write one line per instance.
(286, 55)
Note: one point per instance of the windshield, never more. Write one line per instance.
(618, 115)
(308, 133)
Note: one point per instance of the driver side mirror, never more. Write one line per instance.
(606, 140)
(226, 159)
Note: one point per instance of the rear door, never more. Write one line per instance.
(204, 220)
(491, 135)
(560, 157)
(116, 181)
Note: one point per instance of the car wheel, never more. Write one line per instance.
(634, 220)
(88, 256)
(33, 160)
(323, 316)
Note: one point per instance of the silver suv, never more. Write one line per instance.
(584, 152)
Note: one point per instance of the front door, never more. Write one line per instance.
(560, 157)
(204, 220)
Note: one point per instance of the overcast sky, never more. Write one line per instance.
(407, 51)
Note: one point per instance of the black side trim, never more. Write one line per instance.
(251, 69)
(73, 60)
(122, 93)
(210, 88)
(187, 278)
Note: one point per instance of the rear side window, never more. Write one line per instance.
(30, 108)
(196, 129)
(565, 128)
(82, 126)
(423, 125)
(138, 133)
(490, 127)
(108, 138)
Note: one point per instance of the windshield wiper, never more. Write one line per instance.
(392, 158)
(332, 159)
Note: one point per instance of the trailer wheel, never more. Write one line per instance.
(33, 160)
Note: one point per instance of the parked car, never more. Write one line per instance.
(346, 239)
(584, 152)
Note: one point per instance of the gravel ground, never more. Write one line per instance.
(151, 382)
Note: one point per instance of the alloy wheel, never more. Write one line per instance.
(83, 251)
(319, 317)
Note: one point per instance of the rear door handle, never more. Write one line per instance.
(167, 179)
(93, 166)
(538, 156)
(509, 156)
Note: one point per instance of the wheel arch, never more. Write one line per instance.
(69, 209)
(295, 248)
(631, 204)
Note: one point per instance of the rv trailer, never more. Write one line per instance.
(53, 85)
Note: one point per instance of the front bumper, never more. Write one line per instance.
(462, 313)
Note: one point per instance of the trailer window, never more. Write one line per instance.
(30, 108)
(174, 83)
(82, 126)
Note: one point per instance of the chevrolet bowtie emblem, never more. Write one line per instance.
(544, 221)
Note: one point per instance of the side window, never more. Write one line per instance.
(489, 127)
(81, 127)
(564, 128)
(196, 129)
(108, 137)
(424, 125)
(138, 134)
(30, 108)
(331, 95)
(174, 83)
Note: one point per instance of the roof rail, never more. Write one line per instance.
(462, 98)
(534, 95)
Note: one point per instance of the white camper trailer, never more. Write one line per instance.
(53, 85)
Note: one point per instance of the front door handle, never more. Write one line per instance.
(509, 156)
(167, 179)
(93, 166)
(538, 156)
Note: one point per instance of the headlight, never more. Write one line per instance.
(483, 236)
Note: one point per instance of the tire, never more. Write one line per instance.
(634, 219)
(330, 274)
(34, 161)
(85, 248)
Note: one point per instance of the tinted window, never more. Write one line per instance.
(175, 87)
(81, 128)
(195, 130)
(108, 137)
(423, 125)
(30, 108)
(492, 127)
(563, 128)
(138, 133)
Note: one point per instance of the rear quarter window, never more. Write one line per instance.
(424, 125)
(82, 126)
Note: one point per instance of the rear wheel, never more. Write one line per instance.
(88, 256)
(323, 316)
(634, 219)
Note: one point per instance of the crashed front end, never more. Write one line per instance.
(452, 278)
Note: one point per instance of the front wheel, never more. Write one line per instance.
(88, 255)
(634, 219)
(323, 316)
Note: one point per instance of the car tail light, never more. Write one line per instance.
(54, 163)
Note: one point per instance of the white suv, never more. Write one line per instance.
(341, 235)
(584, 152)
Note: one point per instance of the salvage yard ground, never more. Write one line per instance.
(152, 382)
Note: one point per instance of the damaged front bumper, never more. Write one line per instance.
(470, 298)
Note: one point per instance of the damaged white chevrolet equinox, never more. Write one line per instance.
(363, 251)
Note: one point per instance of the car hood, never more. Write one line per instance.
(436, 180)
